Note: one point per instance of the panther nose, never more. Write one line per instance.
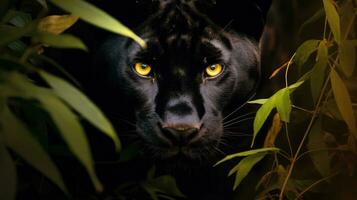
(180, 134)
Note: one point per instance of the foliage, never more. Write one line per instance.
(24, 84)
(327, 100)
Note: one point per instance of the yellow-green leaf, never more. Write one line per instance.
(333, 19)
(22, 143)
(318, 71)
(7, 173)
(347, 54)
(304, 51)
(65, 120)
(72, 132)
(247, 153)
(60, 41)
(244, 167)
(283, 104)
(97, 17)
(258, 101)
(343, 101)
(79, 102)
(56, 24)
(319, 154)
(262, 115)
(10, 33)
(320, 13)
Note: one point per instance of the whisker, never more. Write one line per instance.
(239, 117)
(239, 121)
(241, 106)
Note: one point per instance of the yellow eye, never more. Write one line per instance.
(214, 70)
(142, 69)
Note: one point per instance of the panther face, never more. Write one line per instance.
(184, 83)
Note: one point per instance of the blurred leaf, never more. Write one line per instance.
(320, 158)
(7, 173)
(60, 41)
(319, 14)
(72, 132)
(18, 47)
(304, 51)
(79, 102)
(273, 132)
(333, 19)
(43, 3)
(244, 166)
(56, 24)
(151, 173)
(97, 17)
(347, 54)
(246, 153)
(11, 33)
(10, 65)
(343, 101)
(318, 71)
(66, 121)
(163, 186)
(19, 19)
(129, 153)
(21, 142)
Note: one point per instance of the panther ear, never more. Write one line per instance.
(248, 16)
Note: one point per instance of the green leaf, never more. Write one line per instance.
(97, 17)
(66, 121)
(247, 153)
(343, 101)
(22, 143)
(79, 102)
(60, 41)
(304, 51)
(10, 33)
(258, 101)
(320, 158)
(283, 104)
(319, 14)
(347, 54)
(72, 132)
(7, 173)
(333, 19)
(318, 71)
(167, 185)
(244, 167)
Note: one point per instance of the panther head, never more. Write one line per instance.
(182, 85)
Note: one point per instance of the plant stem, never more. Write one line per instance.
(316, 111)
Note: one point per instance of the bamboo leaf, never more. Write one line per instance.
(244, 167)
(79, 102)
(97, 17)
(304, 51)
(72, 132)
(10, 33)
(318, 71)
(343, 101)
(56, 24)
(283, 104)
(333, 19)
(262, 115)
(320, 158)
(7, 173)
(22, 143)
(258, 101)
(319, 14)
(60, 41)
(66, 121)
(247, 153)
(347, 54)
(273, 132)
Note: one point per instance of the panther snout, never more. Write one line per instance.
(180, 134)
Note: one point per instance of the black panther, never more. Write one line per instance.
(180, 91)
